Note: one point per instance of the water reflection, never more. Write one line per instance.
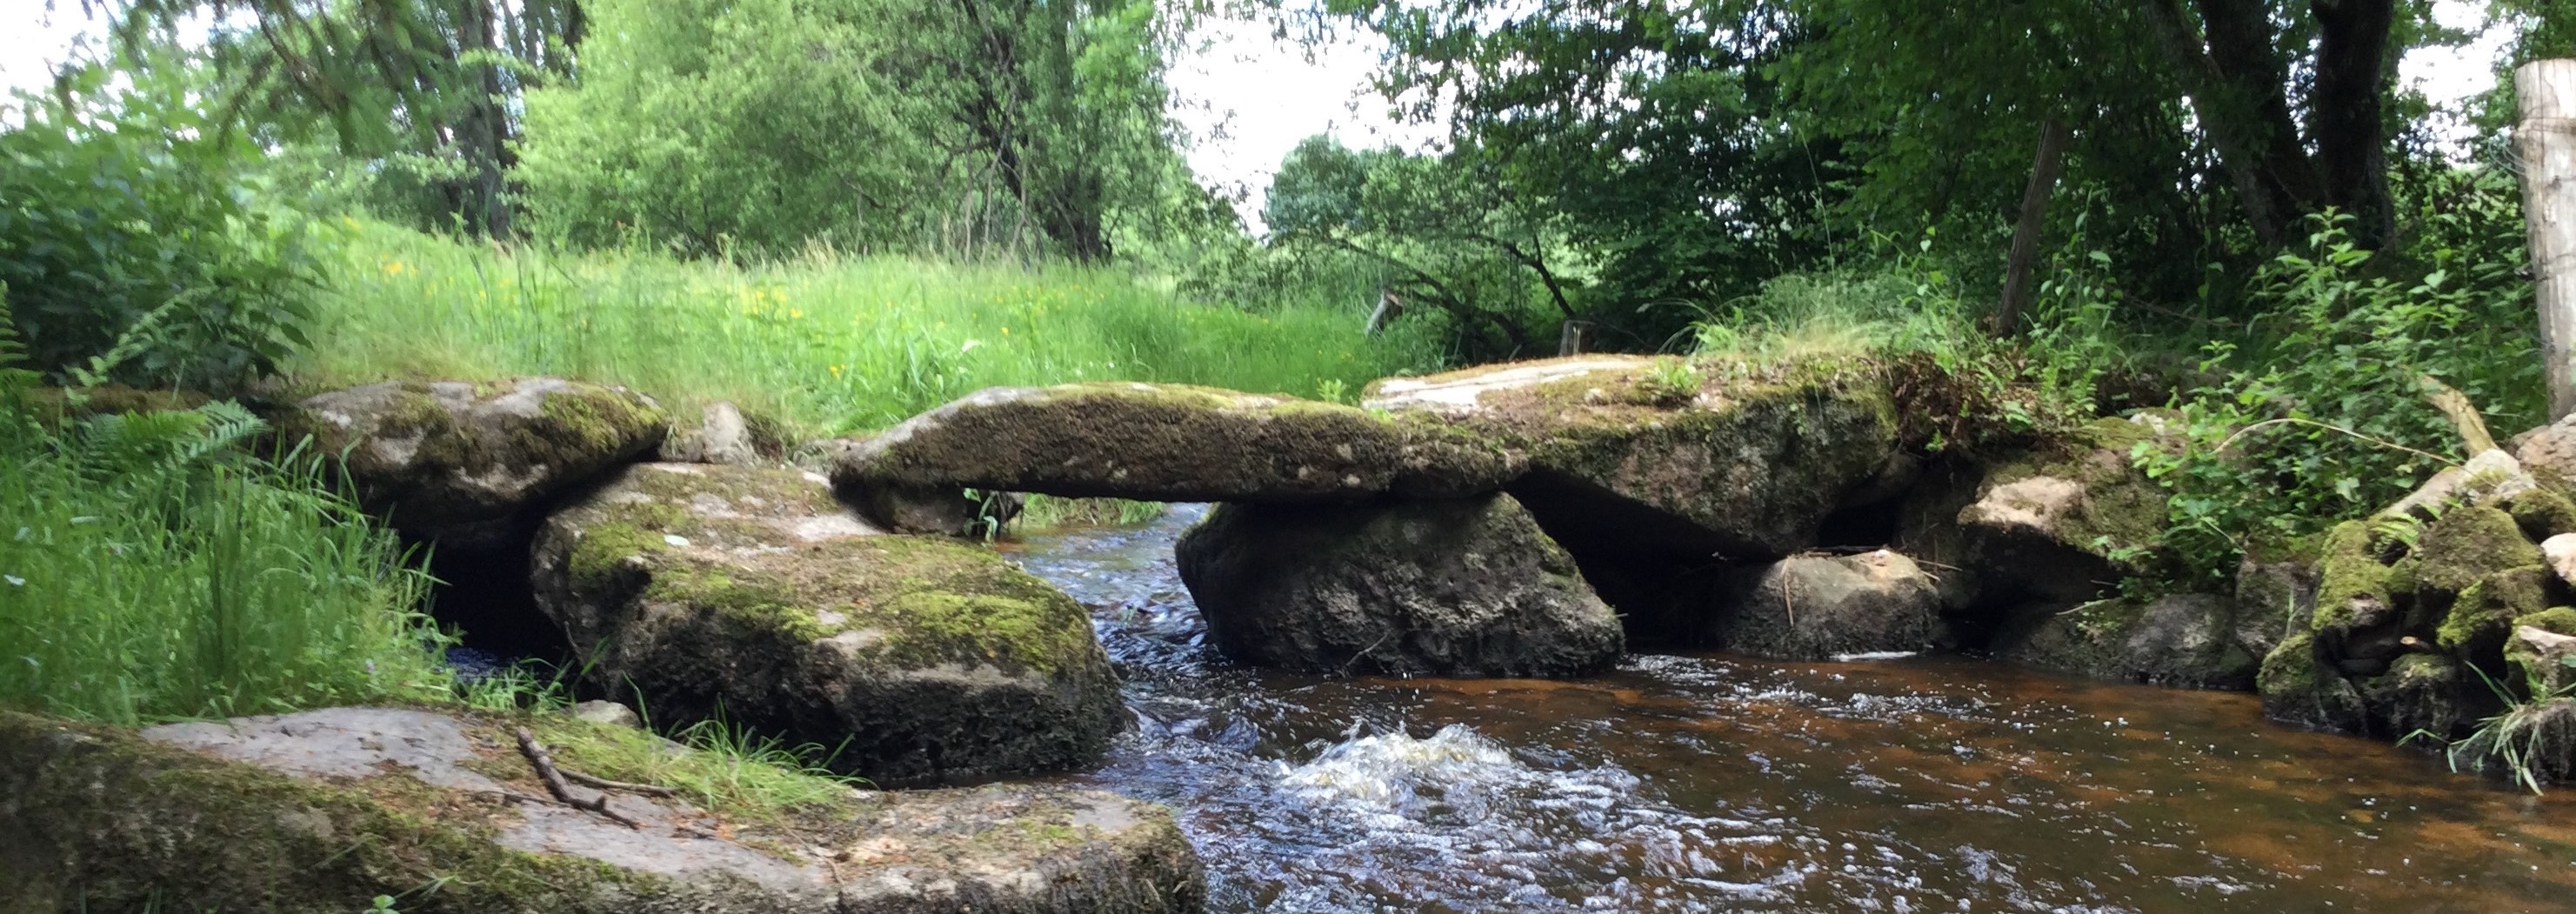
(1703, 783)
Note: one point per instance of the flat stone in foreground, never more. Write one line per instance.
(322, 810)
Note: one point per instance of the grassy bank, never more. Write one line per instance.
(827, 343)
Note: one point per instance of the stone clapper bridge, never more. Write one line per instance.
(1534, 519)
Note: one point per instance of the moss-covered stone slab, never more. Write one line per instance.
(2061, 525)
(457, 463)
(752, 594)
(2182, 640)
(322, 810)
(1750, 459)
(1461, 587)
(1166, 442)
(1816, 607)
(2466, 545)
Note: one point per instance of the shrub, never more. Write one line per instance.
(126, 200)
(150, 568)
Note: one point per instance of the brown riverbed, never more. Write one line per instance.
(1710, 783)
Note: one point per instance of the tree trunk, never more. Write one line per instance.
(2034, 219)
(2546, 142)
(2346, 113)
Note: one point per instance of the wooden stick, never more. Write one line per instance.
(554, 779)
(601, 783)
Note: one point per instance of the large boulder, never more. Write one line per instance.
(1462, 587)
(458, 463)
(2549, 454)
(2055, 528)
(1632, 452)
(749, 593)
(319, 811)
(1819, 607)
(2185, 640)
(1165, 442)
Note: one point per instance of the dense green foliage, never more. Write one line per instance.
(150, 568)
(126, 213)
(829, 343)
(960, 128)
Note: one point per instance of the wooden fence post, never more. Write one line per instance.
(2546, 144)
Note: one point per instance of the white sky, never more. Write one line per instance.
(1248, 98)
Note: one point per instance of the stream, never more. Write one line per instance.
(1713, 783)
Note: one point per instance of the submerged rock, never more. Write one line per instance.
(2185, 640)
(457, 463)
(319, 811)
(1165, 442)
(1464, 587)
(749, 593)
(1630, 452)
(1817, 607)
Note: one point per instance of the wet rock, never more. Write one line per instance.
(2274, 600)
(321, 810)
(724, 434)
(2185, 640)
(749, 592)
(1462, 587)
(1817, 607)
(2298, 689)
(942, 510)
(1748, 463)
(2420, 693)
(1164, 442)
(456, 463)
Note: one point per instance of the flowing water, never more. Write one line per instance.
(1709, 783)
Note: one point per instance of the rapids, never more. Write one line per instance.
(1709, 783)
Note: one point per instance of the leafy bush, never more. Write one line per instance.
(125, 205)
(2326, 417)
(149, 568)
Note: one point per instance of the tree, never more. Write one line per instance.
(1442, 232)
(424, 84)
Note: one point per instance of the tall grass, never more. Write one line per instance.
(148, 570)
(825, 342)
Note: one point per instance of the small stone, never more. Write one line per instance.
(609, 713)
(2560, 550)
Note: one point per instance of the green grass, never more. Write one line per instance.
(148, 571)
(827, 343)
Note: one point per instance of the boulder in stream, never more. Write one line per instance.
(751, 594)
(1812, 607)
(2187, 640)
(321, 810)
(459, 463)
(1458, 587)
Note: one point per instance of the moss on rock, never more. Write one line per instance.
(2353, 587)
(456, 463)
(1757, 457)
(2183, 640)
(2483, 615)
(2297, 689)
(751, 591)
(2541, 513)
(1166, 442)
(2467, 544)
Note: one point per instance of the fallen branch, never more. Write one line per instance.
(601, 783)
(554, 780)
